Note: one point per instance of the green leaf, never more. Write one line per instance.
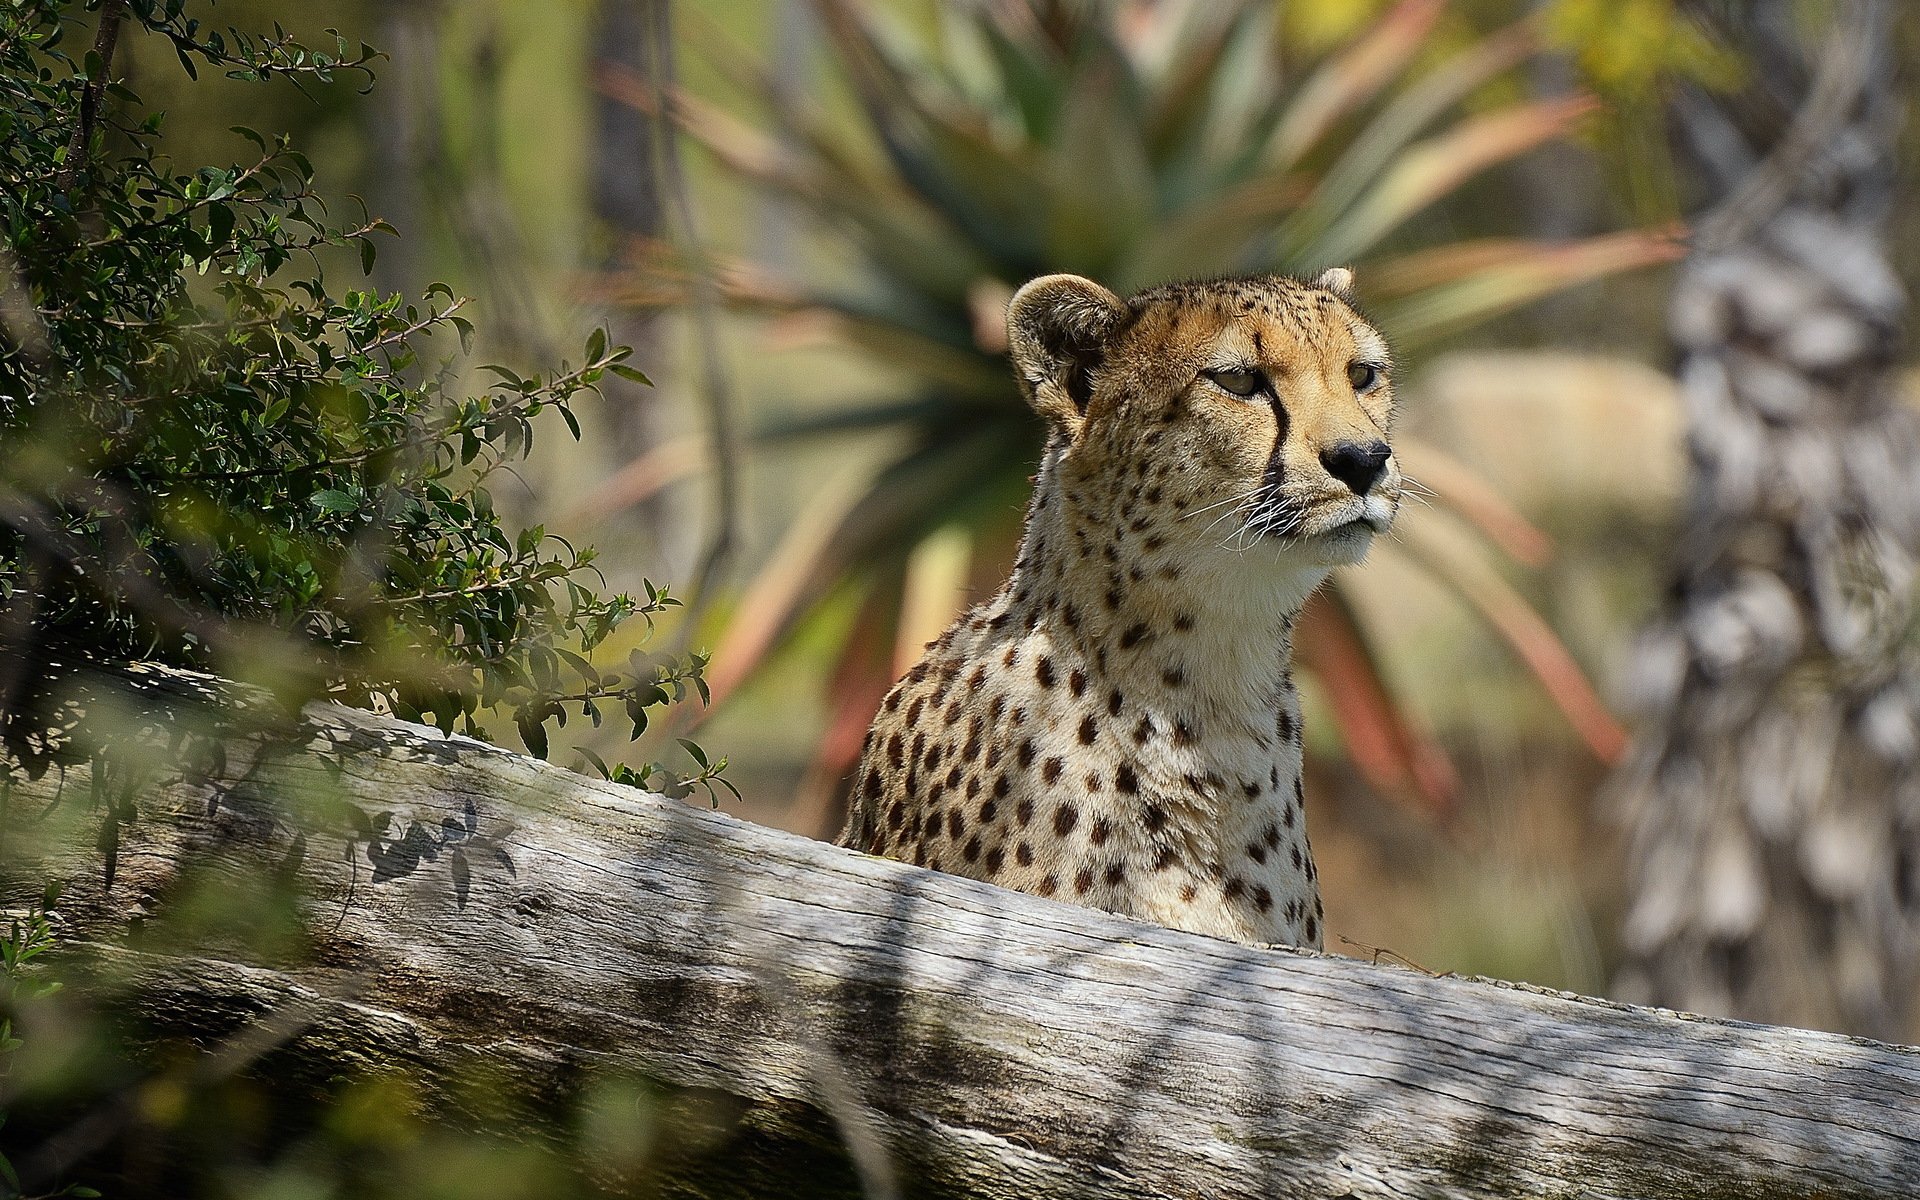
(533, 732)
(693, 751)
(219, 225)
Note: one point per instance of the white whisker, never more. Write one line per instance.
(1241, 510)
(1253, 491)
(1414, 486)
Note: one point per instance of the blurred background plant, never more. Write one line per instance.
(212, 460)
(1132, 143)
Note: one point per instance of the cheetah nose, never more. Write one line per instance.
(1356, 464)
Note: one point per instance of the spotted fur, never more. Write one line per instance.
(1118, 725)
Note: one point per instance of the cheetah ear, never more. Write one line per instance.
(1338, 280)
(1057, 332)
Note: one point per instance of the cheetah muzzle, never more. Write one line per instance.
(1118, 725)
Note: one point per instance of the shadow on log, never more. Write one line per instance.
(838, 1024)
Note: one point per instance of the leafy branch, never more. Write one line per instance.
(213, 460)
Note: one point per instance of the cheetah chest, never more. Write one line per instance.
(1020, 763)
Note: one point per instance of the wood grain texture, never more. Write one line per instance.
(967, 1039)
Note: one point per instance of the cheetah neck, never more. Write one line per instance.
(1203, 630)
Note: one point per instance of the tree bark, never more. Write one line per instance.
(1774, 795)
(867, 1027)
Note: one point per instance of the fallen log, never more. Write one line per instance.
(845, 1025)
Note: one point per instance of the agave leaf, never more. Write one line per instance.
(1380, 736)
(661, 274)
(970, 66)
(790, 579)
(1375, 147)
(1351, 79)
(797, 118)
(863, 418)
(959, 368)
(1523, 629)
(948, 156)
(839, 173)
(1458, 487)
(1443, 290)
(900, 331)
(1432, 169)
(644, 477)
(962, 470)
(857, 683)
(1101, 192)
(1208, 238)
(846, 523)
(934, 577)
(1242, 107)
(740, 146)
(1030, 71)
(1187, 100)
(1407, 274)
(905, 236)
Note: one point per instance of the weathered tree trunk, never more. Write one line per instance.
(1775, 791)
(943, 1036)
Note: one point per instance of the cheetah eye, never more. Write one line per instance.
(1363, 376)
(1240, 383)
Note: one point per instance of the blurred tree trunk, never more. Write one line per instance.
(641, 193)
(796, 31)
(410, 35)
(628, 206)
(1774, 793)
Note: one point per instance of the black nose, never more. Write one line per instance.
(1356, 464)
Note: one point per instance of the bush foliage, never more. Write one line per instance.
(211, 457)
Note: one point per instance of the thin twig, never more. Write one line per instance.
(111, 14)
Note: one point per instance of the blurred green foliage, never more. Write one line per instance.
(29, 936)
(1630, 52)
(1630, 47)
(209, 457)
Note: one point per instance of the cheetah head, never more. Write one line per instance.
(1245, 417)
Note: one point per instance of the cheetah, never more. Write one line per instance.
(1118, 725)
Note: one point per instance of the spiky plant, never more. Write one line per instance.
(1131, 143)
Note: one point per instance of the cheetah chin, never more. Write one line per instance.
(1118, 725)
(1342, 537)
